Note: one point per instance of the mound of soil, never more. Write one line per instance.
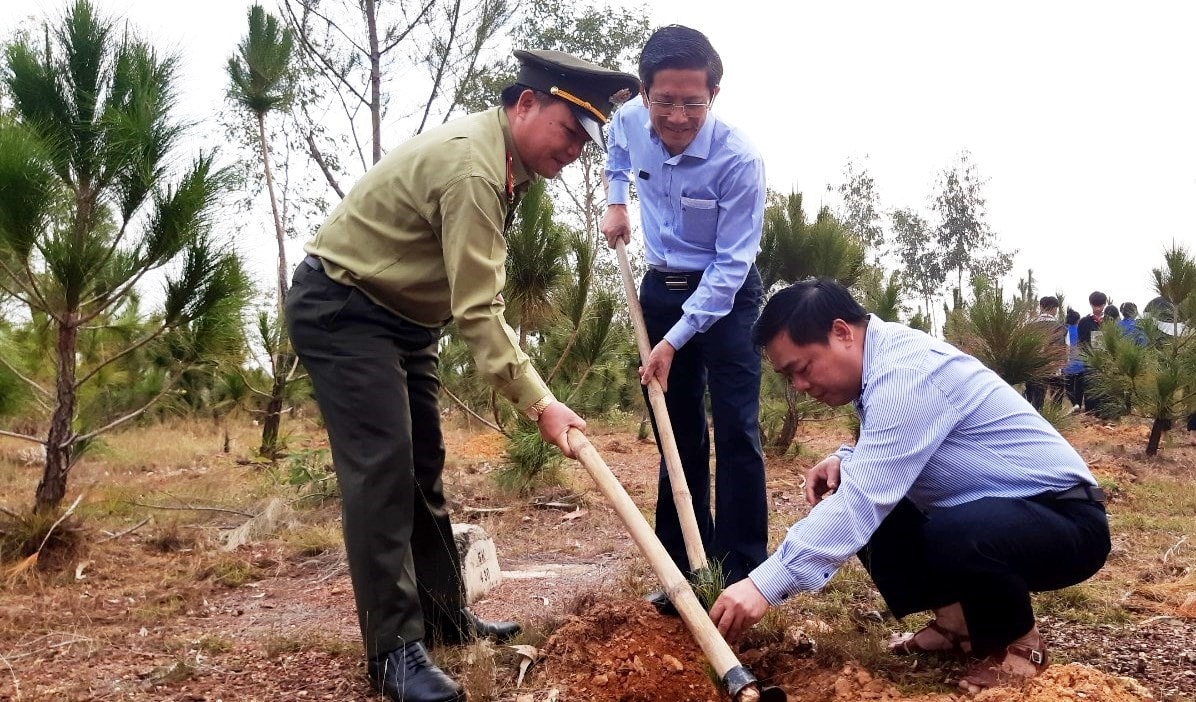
(624, 651)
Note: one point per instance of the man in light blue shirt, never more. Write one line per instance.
(701, 189)
(957, 496)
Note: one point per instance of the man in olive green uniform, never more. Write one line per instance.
(416, 243)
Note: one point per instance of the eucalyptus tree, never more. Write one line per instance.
(261, 80)
(922, 268)
(966, 242)
(860, 207)
(92, 204)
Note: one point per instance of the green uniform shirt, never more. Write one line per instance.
(421, 234)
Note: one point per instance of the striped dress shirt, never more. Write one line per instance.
(702, 210)
(936, 427)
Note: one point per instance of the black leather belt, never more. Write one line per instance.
(1088, 493)
(314, 263)
(678, 280)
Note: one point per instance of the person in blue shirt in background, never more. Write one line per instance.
(957, 497)
(1074, 369)
(701, 189)
(1129, 323)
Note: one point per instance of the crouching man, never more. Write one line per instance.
(957, 497)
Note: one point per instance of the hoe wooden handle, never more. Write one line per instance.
(696, 620)
(694, 550)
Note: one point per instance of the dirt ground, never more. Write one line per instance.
(147, 606)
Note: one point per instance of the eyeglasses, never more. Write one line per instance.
(689, 109)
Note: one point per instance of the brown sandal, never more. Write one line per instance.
(908, 646)
(990, 673)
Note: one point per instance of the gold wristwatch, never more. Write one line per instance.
(533, 413)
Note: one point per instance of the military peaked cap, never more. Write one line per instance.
(592, 91)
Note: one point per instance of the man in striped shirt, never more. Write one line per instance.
(957, 496)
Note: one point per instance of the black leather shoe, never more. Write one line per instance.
(408, 675)
(501, 632)
(662, 603)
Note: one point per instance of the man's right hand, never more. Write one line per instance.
(822, 480)
(615, 225)
(555, 422)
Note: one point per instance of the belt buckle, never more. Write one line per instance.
(676, 282)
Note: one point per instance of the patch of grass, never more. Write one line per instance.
(1142, 522)
(172, 537)
(1056, 414)
(114, 500)
(709, 583)
(32, 540)
(166, 606)
(176, 672)
(172, 443)
(230, 571)
(306, 640)
(771, 628)
(214, 644)
(1078, 603)
(314, 539)
(849, 607)
(1164, 497)
(279, 645)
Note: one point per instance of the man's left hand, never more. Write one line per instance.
(738, 608)
(658, 365)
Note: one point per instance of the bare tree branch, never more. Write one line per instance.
(316, 155)
(475, 415)
(403, 35)
(192, 508)
(124, 352)
(444, 52)
(26, 437)
(117, 422)
(29, 381)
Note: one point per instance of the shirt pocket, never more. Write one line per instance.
(699, 221)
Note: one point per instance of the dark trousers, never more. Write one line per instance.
(988, 556)
(1075, 389)
(375, 379)
(723, 360)
(1037, 392)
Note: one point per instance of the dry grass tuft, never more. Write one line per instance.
(477, 667)
(229, 570)
(42, 541)
(173, 537)
(281, 644)
(314, 539)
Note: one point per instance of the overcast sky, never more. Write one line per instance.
(1081, 115)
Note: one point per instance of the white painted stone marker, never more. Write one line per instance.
(479, 561)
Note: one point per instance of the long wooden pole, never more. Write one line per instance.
(694, 550)
(740, 684)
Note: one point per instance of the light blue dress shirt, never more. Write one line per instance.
(702, 210)
(937, 427)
